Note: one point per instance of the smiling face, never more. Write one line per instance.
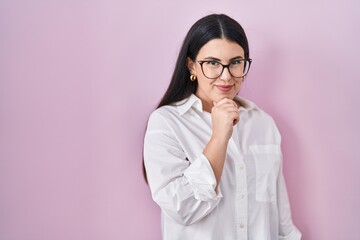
(216, 51)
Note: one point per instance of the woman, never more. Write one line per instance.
(213, 159)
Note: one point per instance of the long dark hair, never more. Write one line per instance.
(205, 29)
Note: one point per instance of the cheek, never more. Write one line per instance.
(238, 83)
(198, 71)
(212, 81)
(204, 82)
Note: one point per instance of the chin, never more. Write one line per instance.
(218, 98)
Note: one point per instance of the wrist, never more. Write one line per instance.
(219, 140)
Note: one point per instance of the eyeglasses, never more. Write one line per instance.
(237, 68)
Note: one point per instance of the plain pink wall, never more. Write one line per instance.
(78, 80)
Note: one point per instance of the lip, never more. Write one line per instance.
(225, 88)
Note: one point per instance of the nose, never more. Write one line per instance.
(225, 75)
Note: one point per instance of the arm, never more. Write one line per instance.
(185, 192)
(224, 116)
(287, 230)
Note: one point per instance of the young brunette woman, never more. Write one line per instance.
(213, 159)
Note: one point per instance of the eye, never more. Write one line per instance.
(236, 62)
(212, 63)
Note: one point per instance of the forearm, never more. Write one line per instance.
(224, 115)
(215, 152)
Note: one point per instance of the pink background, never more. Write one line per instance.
(78, 80)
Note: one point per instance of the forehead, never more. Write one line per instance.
(221, 48)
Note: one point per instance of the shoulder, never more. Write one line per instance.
(253, 109)
(264, 116)
(174, 112)
(164, 112)
(258, 117)
(163, 118)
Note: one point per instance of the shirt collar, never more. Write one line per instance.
(246, 105)
(193, 101)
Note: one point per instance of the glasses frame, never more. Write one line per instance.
(249, 60)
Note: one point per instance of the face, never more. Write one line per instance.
(225, 86)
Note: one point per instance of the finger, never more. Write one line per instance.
(236, 121)
(225, 110)
(226, 104)
(229, 109)
(232, 115)
(226, 101)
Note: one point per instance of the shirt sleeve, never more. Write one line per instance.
(287, 230)
(184, 191)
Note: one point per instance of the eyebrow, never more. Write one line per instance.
(217, 59)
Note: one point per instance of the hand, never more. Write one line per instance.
(224, 116)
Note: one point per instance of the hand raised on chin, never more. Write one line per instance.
(224, 115)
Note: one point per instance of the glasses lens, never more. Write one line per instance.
(212, 69)
(239, 68)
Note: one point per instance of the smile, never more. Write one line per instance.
(224, 88)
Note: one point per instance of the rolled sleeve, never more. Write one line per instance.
(202, 180)
(293, 235)
(287, 230)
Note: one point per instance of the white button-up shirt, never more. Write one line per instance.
(251, 202)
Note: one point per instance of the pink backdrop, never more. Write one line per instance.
(78, 80)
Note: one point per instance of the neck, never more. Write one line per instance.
(206, 107)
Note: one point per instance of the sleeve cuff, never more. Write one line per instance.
(295, 234)
(202, 180)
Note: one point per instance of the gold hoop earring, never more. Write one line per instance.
(192, 77)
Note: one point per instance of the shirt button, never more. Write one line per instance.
(241, 167)
(241, 225)
(242, 196)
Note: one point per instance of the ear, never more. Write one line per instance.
(190, 64)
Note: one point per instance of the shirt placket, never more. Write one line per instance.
(241, 201)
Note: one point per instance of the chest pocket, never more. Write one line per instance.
(267, 161)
